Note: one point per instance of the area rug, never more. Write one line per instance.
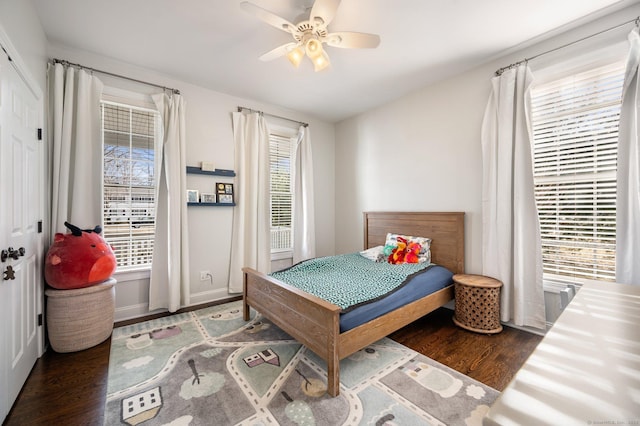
(210, 367)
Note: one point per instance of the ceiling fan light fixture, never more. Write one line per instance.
(321, 61)
(313, 48)
(295, 56)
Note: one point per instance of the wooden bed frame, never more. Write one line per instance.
(314, 322)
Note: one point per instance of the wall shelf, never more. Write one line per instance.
(212, 204)
(199, 171)
(221, 173)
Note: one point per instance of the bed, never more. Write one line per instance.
(315, 322)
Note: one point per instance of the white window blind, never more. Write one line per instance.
(128, 183)
(280, 158)
(575, 132)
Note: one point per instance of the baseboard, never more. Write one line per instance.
(208, 296)
(133, 311)
(139, 313)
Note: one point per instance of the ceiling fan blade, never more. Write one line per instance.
(278, 51)
(323, 11)
(268, 17)
(351, 40)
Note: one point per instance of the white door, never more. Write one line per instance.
(20, 240)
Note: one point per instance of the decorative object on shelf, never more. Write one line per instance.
(207, 198)
(224, 192)
(192, 196)
(207, 166)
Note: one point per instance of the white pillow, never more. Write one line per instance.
(375, 254)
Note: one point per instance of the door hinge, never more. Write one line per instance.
(40, 319)
(39, 227)
(40, 134)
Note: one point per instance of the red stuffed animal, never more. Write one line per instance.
(398, 253)
(80, 259)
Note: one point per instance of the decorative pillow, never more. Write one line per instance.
(375, 253)
(424, 255)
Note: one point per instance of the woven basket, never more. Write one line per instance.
(477, 303)
(80, 318)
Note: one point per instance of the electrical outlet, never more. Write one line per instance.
(205, 276)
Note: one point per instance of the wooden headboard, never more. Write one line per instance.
(446, 231)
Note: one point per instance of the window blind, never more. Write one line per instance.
(129, 183)
(575, 135)
(280, 158)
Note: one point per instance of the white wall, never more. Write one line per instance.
(422, 152)
(20, 22)
(209, 138)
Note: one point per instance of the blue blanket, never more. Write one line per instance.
(349, 280)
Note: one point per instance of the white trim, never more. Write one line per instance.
(142, 309)
(132, 275)
(208, 296)
(115, 96)
(134, 311)
(282, 255)
(19, 64)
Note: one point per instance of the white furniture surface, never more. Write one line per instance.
(586, 370)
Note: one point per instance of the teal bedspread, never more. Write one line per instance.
(348, 280)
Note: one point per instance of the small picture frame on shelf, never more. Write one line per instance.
(192, 196)
(207, 198)
(224, 188)
(225, 198)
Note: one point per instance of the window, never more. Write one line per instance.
(280, 160)
(129, 183)
(575, 135)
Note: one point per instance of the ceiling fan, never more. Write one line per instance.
(310, 35)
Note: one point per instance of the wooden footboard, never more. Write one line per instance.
(310, 320)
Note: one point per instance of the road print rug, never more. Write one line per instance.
(210, 367)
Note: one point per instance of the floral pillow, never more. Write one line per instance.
(425, 252)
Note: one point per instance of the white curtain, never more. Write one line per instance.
(628, 174)
(304, 228)
(169, 287)
(75, 148)
(511, 244)
(250, 239)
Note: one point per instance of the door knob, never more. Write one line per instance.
(11, 253)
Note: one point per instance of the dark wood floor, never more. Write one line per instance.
(70, 389)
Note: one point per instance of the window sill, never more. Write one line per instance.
(132, 275)
(281, 255)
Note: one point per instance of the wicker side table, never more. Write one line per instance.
(477, 303)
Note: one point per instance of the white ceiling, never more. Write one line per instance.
(215, 44)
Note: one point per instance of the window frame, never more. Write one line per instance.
(553, 280)
(284, 133)
(131, 103)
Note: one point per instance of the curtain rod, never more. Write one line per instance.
(240, 108)
(67, 63)
(525, 60)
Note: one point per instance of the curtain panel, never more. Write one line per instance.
(75, 148)
(304, 229)
(250, 236)
(628, 172)
(511, 245)
(169, 285)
